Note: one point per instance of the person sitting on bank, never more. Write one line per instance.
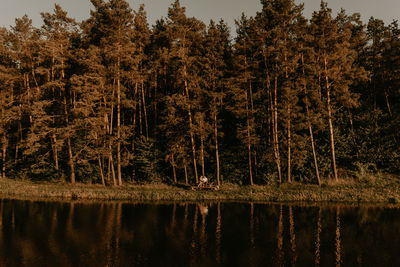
(203, 180)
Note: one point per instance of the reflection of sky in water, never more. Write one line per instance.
(203, 234)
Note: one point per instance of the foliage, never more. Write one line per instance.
(111, 100)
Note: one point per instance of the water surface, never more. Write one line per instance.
(202, 234)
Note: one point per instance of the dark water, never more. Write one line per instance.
(227, 234)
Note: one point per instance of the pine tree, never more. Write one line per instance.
(59, 30)
(241, 90)
(7, 114)
(184, 36)
(110, 28)
(216, 50)
(335, 58)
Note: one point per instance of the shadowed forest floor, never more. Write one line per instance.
(368, 190)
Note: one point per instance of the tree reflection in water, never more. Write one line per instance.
(195, 234)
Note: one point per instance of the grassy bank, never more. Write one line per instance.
(371, 190)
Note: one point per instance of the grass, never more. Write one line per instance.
(382, 189)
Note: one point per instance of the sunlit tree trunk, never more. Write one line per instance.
(216, 142)
(275, 129)
(309, 122)
(119, 122)
(191, 130)
(328, 93)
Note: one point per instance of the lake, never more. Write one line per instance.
(196, 234)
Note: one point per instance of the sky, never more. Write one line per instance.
(229, 10)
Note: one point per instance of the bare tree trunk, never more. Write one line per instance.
(191, 131)
(134, 132)
(111, 164)
(289, 146)
(387, 102)
(110, 152)
(252, 115)
(19, 136)
(249, 140)
(186, 175)
(332, 137)
(70, 154)
(202, 154)
(309, 122)
(55, 150)
(140, 115)
(216, 141)
(173, 167)
(328, 92)
(119, 123)
(101, 171)
(313, 148)
(71, 160)
(145, 112)
(4, 142)
(275, 132)
(155, 101)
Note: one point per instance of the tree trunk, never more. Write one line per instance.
(71, 160)
(140, 114)
(111, 164)
(387, 102)
(248, 139)
(134, 132)
(173, 167)
(70, 154)
(307, 103)
(191, 130)
(202, 154)
(216, 141)
(313, 148)
(254, 143)
(186, 175)
(55, 150)
(289, 142)
(275, 130)
(4, 142)
(101, 171)
(145, 112)
(119, 123)
(328, 93)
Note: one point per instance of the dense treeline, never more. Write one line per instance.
(111, 100)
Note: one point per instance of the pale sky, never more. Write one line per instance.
(229, 10)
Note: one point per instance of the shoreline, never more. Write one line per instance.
(342, 193)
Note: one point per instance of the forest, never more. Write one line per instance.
(111, 100)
